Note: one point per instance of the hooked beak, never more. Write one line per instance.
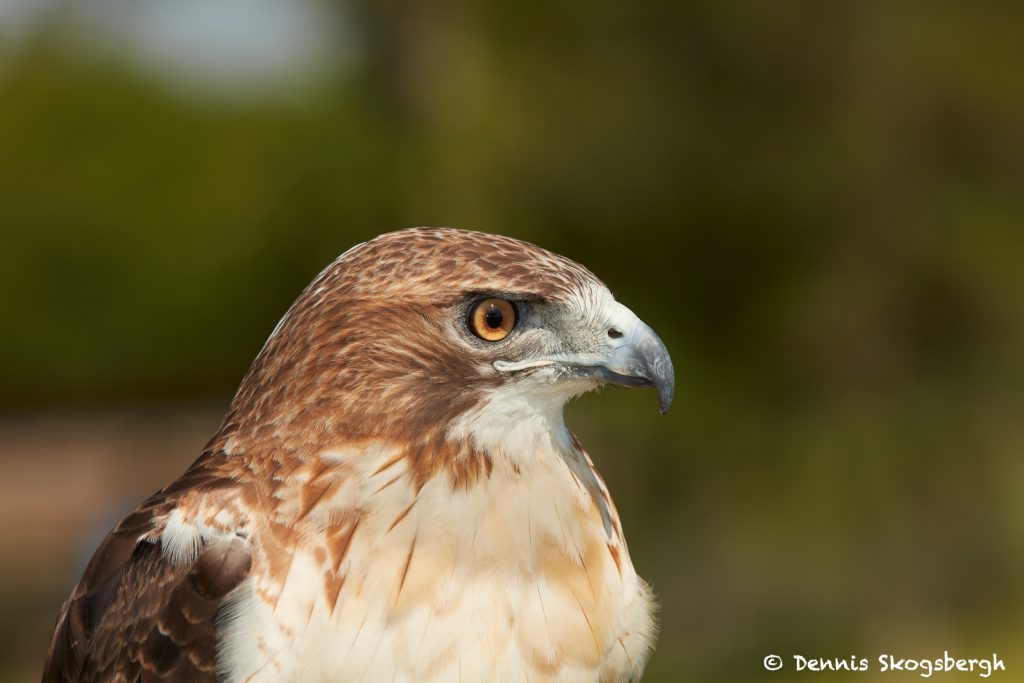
(638, 358)
(633, 356)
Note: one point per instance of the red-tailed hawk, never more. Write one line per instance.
(393, 494)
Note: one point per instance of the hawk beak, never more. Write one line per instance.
(633, 356)
(638, 358)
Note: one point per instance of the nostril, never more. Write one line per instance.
(614, 333)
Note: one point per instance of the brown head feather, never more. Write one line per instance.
(363, 352)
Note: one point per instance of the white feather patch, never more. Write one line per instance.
(181, 541)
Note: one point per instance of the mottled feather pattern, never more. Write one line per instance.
(345, 523)
(135, 615)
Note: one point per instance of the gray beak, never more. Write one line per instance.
(638, 358)
(632, 356)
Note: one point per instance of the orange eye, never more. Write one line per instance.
(492, 319)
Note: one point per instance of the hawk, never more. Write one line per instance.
(393, 494)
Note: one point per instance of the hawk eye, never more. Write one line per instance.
(492, 319)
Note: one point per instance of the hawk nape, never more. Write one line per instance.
(393, 494)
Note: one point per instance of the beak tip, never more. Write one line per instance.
(663, 378)
(666, 392)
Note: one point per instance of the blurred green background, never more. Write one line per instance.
(819, 206)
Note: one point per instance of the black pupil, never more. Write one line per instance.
(493, 317)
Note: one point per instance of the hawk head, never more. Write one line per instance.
(439, 336)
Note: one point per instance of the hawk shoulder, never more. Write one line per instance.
(141, 614)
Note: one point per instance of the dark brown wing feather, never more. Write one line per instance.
(134, 616)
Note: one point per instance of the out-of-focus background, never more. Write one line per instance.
(819, 206)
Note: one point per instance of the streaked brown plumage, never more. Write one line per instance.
(383, 476)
